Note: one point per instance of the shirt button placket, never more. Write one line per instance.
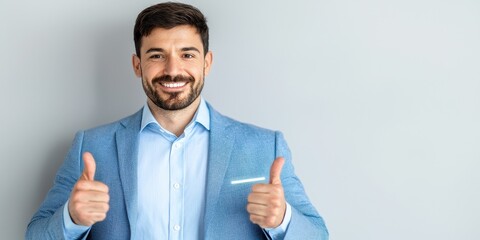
(176, 193)
(176, 227)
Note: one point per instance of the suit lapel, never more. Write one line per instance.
(220, 147)
(127, 149)
(219, 151)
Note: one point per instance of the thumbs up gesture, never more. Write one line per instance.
(89, 198)
(266, 203)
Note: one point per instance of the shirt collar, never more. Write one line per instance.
(202, 116)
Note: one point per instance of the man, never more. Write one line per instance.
(176, 169)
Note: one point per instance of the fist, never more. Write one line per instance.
(89, 198)
(266, 203)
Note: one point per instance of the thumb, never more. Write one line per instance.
(276, 170)
(89, 167)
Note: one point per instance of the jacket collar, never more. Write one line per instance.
(219, 150)
(127, 150)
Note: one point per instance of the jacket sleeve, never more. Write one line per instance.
(305, 222)
(47, 222)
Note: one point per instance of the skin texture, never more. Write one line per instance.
(89, 198)
(266, 202)
(178, 53)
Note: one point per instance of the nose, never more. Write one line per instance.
(173, 66)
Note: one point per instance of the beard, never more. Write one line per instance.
(172, 101)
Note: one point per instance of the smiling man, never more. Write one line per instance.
(176, 169)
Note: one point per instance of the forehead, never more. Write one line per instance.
(180, 36)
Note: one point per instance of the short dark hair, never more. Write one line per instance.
(169, 15)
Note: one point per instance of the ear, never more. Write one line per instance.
(208, 62)
(136, 65)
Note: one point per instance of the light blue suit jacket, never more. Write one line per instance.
(236, 151)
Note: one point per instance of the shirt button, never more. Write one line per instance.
(176, 228)
(178, 145)
(176, 186)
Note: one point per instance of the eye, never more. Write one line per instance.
(188, 55)
(156, 56)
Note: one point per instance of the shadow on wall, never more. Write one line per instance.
(119, 92)
(54, 159)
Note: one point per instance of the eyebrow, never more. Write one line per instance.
(185, 49)
(155, 50)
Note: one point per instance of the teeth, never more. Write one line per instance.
(174, 84)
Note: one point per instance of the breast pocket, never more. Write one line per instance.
(234, 196)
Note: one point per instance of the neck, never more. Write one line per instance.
(174, 121)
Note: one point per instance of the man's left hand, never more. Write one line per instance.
(266, 203)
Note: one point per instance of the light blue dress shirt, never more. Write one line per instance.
(172, 178)
(171, 182)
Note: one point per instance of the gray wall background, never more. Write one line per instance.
(379, 100)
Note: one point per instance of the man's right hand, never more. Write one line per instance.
(89, 198)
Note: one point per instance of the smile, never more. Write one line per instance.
(173, 84)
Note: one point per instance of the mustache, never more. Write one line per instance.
(169, 78)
